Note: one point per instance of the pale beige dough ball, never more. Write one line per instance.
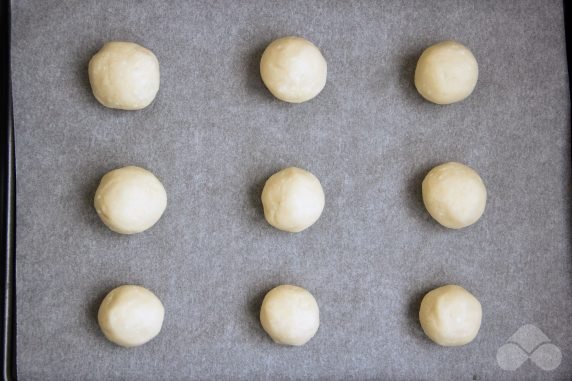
(454, 195)
(290, 315)
(130, 315)
(124, 75)
(293, 199)
(450, 315)
(130, 200)
(293, 69)
(446, 73)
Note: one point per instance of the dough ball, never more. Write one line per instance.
(130, 200)
(290, 315)
(454, 195)
(450, 315)
(446, 73)
(293, 199)
(293, 69)
(124, 75)
(130, 316)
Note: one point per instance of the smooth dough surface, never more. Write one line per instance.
(130, 200)
(124, 75)
(293, 69)
(446, 73)
(293, 199)
(290, 315)
(130, 315)
(450, 315)
(454, 195)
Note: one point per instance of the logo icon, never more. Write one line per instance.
(529, 342)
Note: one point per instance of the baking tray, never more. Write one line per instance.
(213, 136)
(7, 200)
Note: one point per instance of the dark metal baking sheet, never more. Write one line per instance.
(214, 134)
(7, 200)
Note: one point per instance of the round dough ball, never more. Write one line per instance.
(293, 199)
(124, 75)
(446, 73)
(130, 200)
(454, 195)
(290, 315)
(450, 315)
(293, 69)
(130, 316)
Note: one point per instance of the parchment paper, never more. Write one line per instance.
(213, 136)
